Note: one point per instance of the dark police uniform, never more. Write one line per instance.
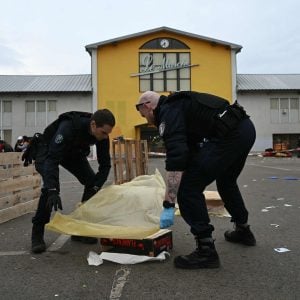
(208, 140)
(69, 147)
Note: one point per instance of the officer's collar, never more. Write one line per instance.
(156, 111)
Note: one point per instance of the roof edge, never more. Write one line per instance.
(235, 47)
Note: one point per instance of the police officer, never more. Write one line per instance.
(206, 139)
(67, 142)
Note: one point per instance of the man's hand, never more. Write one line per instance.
(89, 193)
(54, 200)
(167, 217)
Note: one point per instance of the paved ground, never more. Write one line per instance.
(272, 197)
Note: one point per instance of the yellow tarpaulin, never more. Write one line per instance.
(130, 210)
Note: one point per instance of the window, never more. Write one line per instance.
(40, 113)
(285, 110)
(7, 136)
(164, 43)
(41, 119)
(30, 113)
(52, 114)
(7, 106)
(5, 120)
(294, 110)
(164, 71)
(5, 114)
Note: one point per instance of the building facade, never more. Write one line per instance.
(273, 103)
(29, 103)
(163, 60)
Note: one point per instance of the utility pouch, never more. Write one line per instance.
(229, 119)
(36, 147)
(37, 144)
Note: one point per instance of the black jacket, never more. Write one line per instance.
(185, 119)
(69, 144)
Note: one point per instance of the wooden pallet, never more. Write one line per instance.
(19, 187)
(130, 159)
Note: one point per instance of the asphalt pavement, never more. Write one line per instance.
(270, 270)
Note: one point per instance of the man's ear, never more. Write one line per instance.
(147, 105)
(93, 123)
(92, 126)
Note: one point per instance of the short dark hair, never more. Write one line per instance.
(103, 117)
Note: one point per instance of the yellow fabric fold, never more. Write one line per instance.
(130, 210)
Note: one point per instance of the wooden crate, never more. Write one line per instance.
(19, 187)
(130, 159)
(281, 147)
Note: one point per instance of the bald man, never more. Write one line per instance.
(206, 139)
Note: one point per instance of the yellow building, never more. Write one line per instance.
(163, 60)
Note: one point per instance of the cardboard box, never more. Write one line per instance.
(150, 246)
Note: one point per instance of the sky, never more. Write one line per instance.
(41, 37)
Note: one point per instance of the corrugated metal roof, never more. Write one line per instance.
(82, 83)
(259, 82)
(235, 47)
(45, 83)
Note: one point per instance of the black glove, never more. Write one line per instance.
(53, 200)
(26, 157)
(89, 193)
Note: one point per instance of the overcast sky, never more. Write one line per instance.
(49, 36)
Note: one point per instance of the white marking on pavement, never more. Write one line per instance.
(11, 253)
(120, 279)
(70, 182)
(276, 168)
(60, 241)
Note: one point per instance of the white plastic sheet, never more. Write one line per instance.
(95, 259)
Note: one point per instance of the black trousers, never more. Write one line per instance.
(79, 167)
(221, 160)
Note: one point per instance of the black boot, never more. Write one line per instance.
(241, 234)
(84, 239)
(204, 257)
(37, 238)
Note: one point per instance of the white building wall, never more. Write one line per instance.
(64, 103)
(257, 105)
(233, 75)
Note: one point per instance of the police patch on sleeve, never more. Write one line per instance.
(161, 128)
(59, 139)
